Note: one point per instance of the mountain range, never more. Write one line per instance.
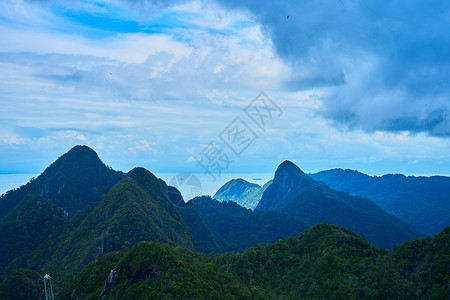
(70, 215)
(423, 202)
(81, 218)
(310, 201)
(295, 193)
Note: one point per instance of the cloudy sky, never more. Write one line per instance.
(175, 86)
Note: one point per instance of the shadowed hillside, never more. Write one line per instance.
(313, 202)
(423, 202)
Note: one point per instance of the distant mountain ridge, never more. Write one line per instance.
(242, 192)
(423, 202)
(295, 193)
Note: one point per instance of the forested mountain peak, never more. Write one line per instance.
(145, 179)
(80, 160)
(289, 179)
(242, 192)
(75, 180)
(81, 151)
(294, 192)
(241, 182)
(140, 172)
(288, 166)
(343, 172)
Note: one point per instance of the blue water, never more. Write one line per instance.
(206, 186)
(11, 181)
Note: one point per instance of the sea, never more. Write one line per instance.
(12, 181)
(189, 184)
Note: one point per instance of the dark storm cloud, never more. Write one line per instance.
(387, 63)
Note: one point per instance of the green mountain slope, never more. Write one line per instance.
(325, 261)
(156, 271)
(242, 192)
(22, 284)
(74, 181)
(34, 222)
(135, 209)
(41, 235)
(40, 213)
(336, 262)
(423, 202)
(293, 192)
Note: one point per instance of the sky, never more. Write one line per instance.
(219, 87)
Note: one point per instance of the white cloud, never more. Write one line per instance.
(128, 95)
(129, 48)
(12, 140)
(141, 145)
(70, 134)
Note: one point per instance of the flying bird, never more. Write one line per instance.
(287, 17)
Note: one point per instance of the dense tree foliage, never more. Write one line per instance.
(332, 261)
(325, 261)
(38, 234)
(156, 271)
(22, 284)
(35, 222)
(136, 209)
(423, 202)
